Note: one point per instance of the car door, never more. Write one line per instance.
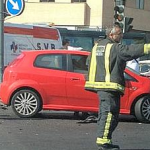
(131, 86)
(78, 97)
(51, 74)
(125, 97)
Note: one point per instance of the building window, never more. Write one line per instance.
(78, 1)
(47, 0)
(140, 4)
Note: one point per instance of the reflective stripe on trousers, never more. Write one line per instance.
(108, 115)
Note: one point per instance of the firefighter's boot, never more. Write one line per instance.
(108, 147)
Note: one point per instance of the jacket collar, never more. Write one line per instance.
(110, 40)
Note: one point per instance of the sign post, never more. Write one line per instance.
(1, 38)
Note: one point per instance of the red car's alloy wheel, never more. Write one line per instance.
(25, 103)
(142, 109)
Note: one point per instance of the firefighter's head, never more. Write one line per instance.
(115, 33)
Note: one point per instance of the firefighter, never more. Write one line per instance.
(107, 63)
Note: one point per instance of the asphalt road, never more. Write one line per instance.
(52, 130)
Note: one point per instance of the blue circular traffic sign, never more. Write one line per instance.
(15, 7)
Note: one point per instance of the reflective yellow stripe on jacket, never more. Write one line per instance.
(93, 64)
(107, 55)
(146, 48)
(104, 85)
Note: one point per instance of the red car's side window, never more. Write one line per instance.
(79, 63)
(51, 61)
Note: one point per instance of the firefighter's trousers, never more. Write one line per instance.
(108, 115)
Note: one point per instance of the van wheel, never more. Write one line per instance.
(142, 109)
(25, 103)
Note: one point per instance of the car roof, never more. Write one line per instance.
(37, 52)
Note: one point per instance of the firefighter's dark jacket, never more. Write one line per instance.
(107, 64)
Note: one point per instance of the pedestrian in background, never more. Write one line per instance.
(65, 44)
(106, 77)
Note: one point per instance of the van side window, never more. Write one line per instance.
(79, 63)
(53, 61)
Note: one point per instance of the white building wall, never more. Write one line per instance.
(92, 13)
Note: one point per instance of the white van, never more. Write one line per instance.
(18, 37)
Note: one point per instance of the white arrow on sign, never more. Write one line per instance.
(14, 4)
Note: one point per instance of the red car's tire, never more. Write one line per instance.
(25, 103)
(142, 109)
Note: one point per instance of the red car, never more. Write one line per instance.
(54, 80)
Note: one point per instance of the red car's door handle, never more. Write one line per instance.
(75, 78)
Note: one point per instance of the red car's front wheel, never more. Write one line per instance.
(142, 109)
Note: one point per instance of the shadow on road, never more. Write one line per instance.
(7, 114)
